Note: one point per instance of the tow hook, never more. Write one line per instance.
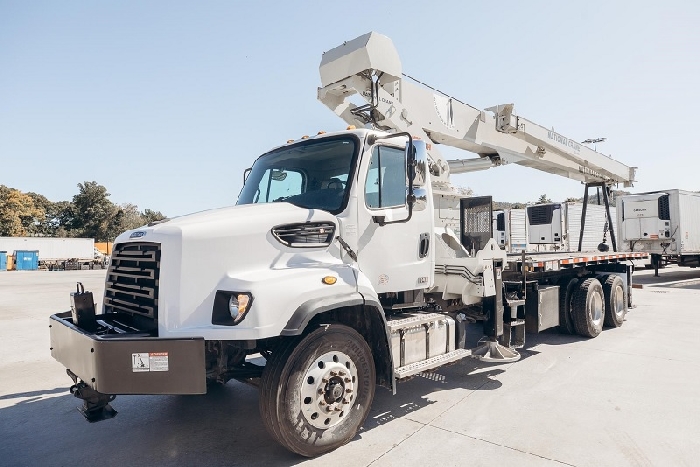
(95, 404)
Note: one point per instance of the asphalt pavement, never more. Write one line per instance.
(627, 397)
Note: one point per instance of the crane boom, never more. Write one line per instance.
(362, 82)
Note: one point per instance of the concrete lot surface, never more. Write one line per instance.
(627, 397)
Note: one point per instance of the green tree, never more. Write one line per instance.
(125, 217)
(543, 199)
(149, 216)
(18, 214)
(93, 212)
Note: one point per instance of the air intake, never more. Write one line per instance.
(307, 235)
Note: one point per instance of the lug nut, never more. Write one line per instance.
(329, 409)
(348, 390)
(320, 391)
(333, 373)
(341, 373)
(347, 380)
(324, 380)
(346, 401)
(337, 409)
(322, 403)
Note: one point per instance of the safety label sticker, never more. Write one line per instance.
(151, 361)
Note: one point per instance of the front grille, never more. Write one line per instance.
(310, 234)
(664, 208)
(542, 214)
(132, 279)
(501, 221)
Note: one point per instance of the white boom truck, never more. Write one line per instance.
(348, 262)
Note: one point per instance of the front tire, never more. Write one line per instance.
(587, 308)
(316, 392)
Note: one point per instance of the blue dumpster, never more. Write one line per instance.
(3, 261)
(27, 260)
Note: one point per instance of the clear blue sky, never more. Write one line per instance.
(166, 103)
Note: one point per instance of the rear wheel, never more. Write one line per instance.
(587, 308)
(615, 306)
(566, 288)
(316, 392)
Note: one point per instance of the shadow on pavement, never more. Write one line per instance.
(220, 428)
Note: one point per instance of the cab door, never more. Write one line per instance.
(395, 249)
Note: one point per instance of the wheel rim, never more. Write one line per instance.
(596, 309)
(328, 391)
(619, 301)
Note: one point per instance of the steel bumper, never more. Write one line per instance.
(129, 365)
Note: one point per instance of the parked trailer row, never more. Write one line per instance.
(53, 252)
(551, 227)
(665, 224)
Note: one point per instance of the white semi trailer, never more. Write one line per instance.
(349, 262)
(665, 224)
(55, 253)
(570, 226)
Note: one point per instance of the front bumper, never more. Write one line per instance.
(115, 364)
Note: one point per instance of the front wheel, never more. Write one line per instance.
(316, 392)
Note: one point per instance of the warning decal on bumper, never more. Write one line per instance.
(153, 361)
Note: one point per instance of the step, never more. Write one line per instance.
(433, 362)
(414, 320)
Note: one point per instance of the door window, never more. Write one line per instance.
(386, 178)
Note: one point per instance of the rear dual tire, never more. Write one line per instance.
(615, 301)
(587, 307)
(594, 305)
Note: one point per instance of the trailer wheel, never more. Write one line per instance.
(587, 308)
(316, 392)
(615, 306)
(566, 288)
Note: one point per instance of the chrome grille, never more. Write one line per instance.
(310, 234)
(132, 279)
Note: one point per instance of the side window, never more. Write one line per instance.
(386, 178)
(277, 184)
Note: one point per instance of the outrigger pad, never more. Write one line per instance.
(97, 414)
(493, 352)
(95, 404)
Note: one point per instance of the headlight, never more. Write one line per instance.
(237, 306)
(230, 308)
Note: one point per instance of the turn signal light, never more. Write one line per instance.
(329, 280)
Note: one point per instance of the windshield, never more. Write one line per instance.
(311, 175)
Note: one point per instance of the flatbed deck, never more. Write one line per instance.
(558, 260)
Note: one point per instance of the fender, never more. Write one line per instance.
(379, 337)
(307, 310)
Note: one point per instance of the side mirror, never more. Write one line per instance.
(420, 163)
